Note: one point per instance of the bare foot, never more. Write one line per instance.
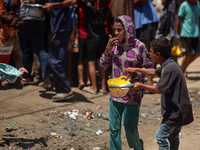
(47, 83)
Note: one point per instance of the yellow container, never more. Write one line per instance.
(118, 92)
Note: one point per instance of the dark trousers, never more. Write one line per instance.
(57, 58)
(31, 39)
(147, 33)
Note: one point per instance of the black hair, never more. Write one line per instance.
(117, 20)
(12, 20)
(163, 46)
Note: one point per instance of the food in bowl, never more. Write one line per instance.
(119, 87)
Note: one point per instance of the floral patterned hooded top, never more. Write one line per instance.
(131, 53)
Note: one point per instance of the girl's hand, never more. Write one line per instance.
(113, 41)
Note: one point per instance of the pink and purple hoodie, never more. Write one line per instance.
(131, 53)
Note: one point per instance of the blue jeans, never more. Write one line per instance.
(171, 133)
(130, 121)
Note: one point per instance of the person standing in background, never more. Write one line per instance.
(167, 21)
(122, 7)
(187, 26)
(34, 25)
(96, 41)
(82, 59)
(61, 28)
(146, 24)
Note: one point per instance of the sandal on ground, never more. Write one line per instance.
(2, 142)
(103, 92)
(61, 97)
(87, 89)
(27, 80)
(49, 88)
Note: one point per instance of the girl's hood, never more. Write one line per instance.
(129, 27)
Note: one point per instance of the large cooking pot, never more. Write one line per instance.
(33, 10)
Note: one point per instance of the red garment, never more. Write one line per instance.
(2, 9)
(82, 23)
(7, 47)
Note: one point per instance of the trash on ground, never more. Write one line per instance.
(88, 115)
(99, 132)
(54, 134)
(11, 123)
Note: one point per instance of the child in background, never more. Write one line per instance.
(176, 107)
(167, 21)
(96, 41)
(9, 42)
(123, 51)
(188, 22)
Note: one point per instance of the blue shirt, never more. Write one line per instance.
(60, 18)
(190, 19)
(145, 14)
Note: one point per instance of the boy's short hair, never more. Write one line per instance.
(12, 20)
(163, 46)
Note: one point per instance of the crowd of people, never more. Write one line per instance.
(110, 45)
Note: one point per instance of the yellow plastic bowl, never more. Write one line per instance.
(118, 92)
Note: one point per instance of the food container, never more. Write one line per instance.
(33, 10)
(8, 73)
(119, 87)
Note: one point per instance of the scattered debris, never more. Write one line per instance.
(11, 123)
(99, 132)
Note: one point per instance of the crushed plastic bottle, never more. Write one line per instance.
(99, 132)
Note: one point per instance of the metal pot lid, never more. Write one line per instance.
(122, 86)
(34, 5)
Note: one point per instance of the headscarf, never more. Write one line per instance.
(129, 28)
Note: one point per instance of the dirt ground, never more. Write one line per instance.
(34, 122)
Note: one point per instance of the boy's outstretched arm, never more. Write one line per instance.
(130, 71)
(151, 88)
(59, 4)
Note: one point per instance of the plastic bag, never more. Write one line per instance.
(176, 51)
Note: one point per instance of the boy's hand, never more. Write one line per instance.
(130, 72)
(23, 70)
(48, 6)
(25, 1)
(137, 86)
(113, 41)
